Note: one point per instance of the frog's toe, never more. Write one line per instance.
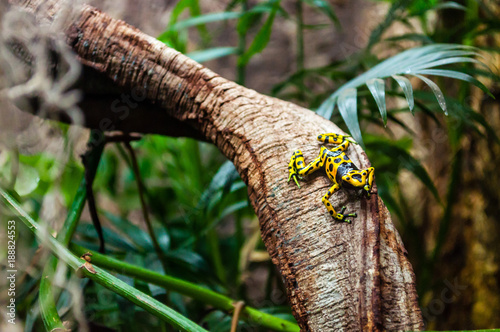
(340, 217)
(349, 139)
(294, 177)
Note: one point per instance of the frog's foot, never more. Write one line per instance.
(369, 181)
(342, 217)
(349, 139)
(293, 172)
(366, 190)
(293, 175)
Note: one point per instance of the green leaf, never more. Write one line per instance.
(326, 8)
(101, 277)
(188, 259)
(438, 6)
(463, 114)
(392, 15)
(405, 85)
(377, 88)
(410, 62)
(349, 112)
(457, 75)
(222, 180)
(203, 19)
(417, 37)
(138, 236)
(178, 38)
(437, 92)
(254, 15)
(112, 238)
(326, 108)
(176, 12)
(195, 291)
(405, 160)
(450, 5)
(212, 53)
(233, 208)
(261, 39)
(383, 186)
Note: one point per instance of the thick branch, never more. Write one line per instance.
(339, 276)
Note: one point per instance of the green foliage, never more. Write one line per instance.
(197, 202)
(101, 277)
(414, 62)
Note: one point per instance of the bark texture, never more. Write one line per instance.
(338, 276)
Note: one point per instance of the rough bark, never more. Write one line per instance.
(338, 276)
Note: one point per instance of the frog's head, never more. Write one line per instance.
(356, 178)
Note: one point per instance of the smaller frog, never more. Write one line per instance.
(339, 168)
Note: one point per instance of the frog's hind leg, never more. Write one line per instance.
(339, 216)
(298, 168)
(342, 147)
(332, 138)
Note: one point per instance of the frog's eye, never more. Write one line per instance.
(356, 177)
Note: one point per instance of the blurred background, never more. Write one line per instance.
(437, 174)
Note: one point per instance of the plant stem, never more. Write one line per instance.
(242, 44)
(188, 289)
(89, 180)
(48, 309)
(145, 214)
(300, 35)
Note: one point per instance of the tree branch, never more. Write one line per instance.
(338, 276)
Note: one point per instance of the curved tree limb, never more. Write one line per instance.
(338, 276)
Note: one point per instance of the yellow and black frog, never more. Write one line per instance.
(339, 168)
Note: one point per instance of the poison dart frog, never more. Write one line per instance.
(339, 168)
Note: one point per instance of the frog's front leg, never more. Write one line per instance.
(296, 168)
(339, 216)
(369, 181)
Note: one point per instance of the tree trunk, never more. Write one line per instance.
(338, 276)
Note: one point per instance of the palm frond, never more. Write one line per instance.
(413, 62)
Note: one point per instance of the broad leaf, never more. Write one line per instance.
(377, 88)
(348, 110)
(413, 62)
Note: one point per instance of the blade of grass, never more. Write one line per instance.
(261, 38)
(101, 277)
(300, 35)
(212, 53)
(192, 290)
(242, 44)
